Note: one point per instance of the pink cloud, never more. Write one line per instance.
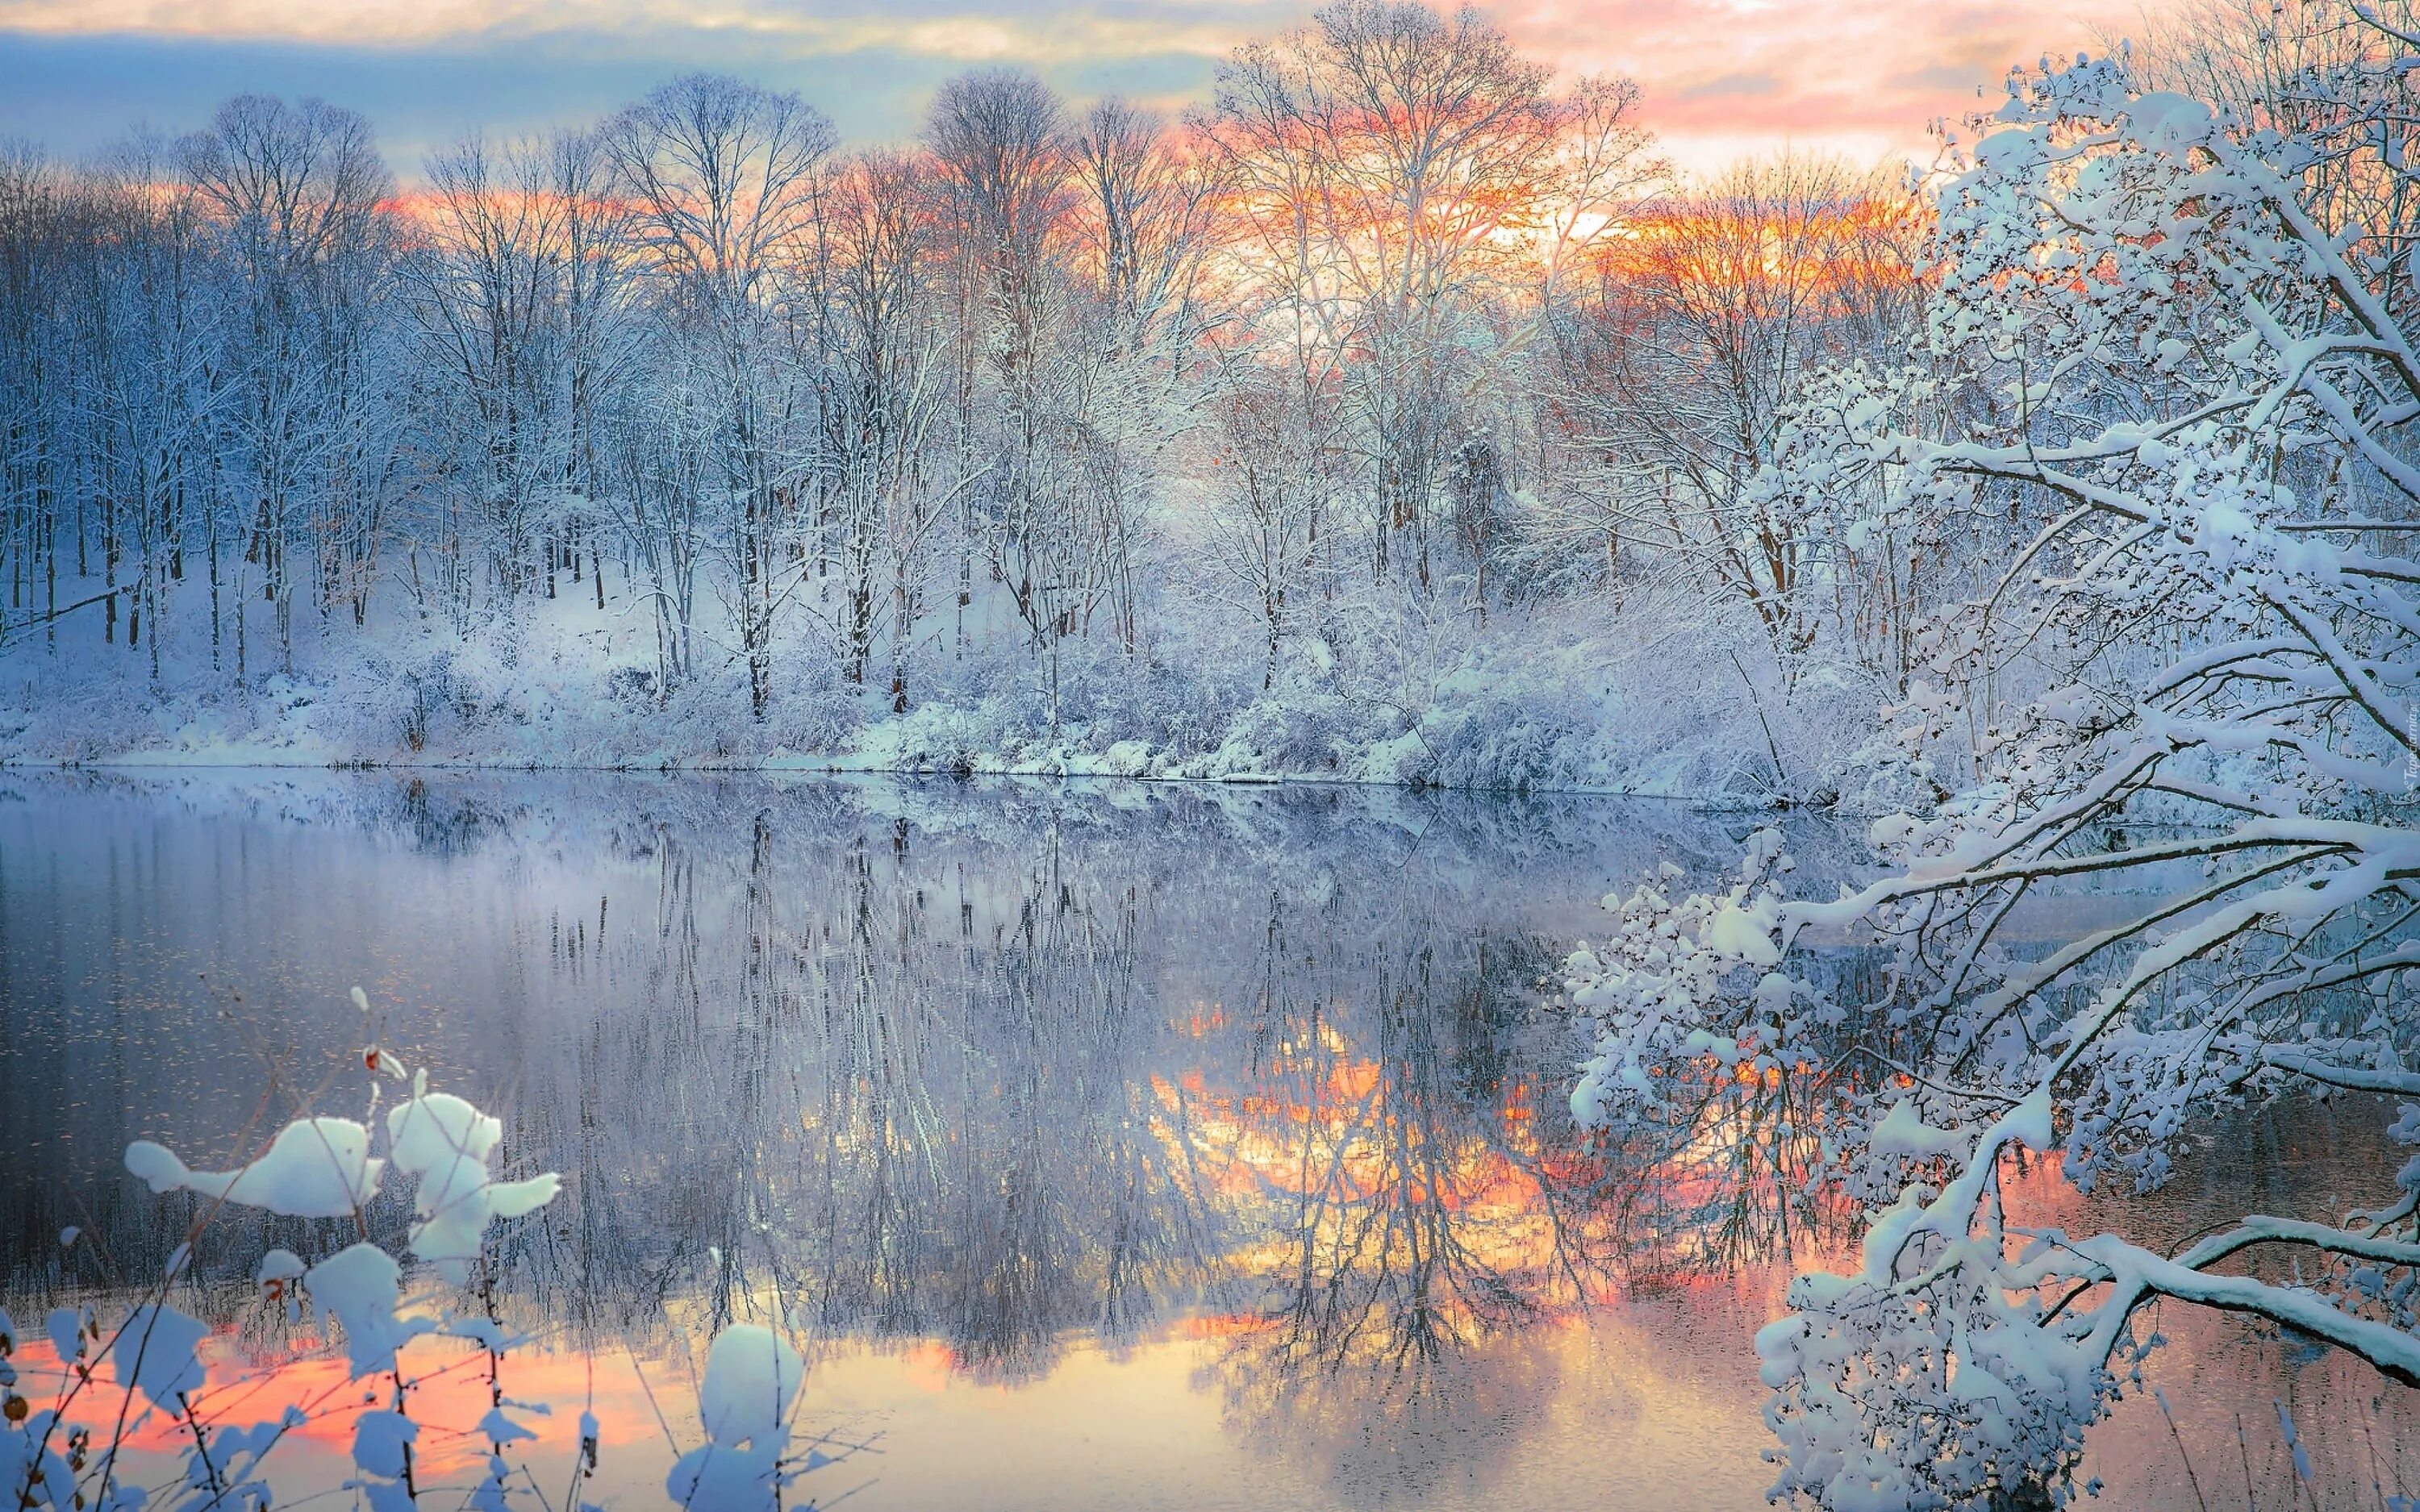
(1863, 77)
(1722, 78)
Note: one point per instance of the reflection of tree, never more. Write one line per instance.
(1398, 1248)
(1386, 1128)
(1073, 1213)
(992, 1069)
(924, 1065)
(973, 1158)
(873, 1098)
(1729, 1174)
(1370, 1436)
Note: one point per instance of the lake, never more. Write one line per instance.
(1103, 1145)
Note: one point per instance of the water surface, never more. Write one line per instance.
(1118, 1145)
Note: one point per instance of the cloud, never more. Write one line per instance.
(1731, 87)
(75, 95)
(951, 29)
(1721, 77)
(1860, 76)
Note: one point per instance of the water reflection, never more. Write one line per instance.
(1004, 1074)
(1227, 1124)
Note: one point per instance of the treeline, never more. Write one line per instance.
(1394, 330)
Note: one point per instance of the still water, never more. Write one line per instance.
(1104, 1147)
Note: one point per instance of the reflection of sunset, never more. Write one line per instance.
(1427, 1216)
(1292, 1216)
(941, 1440)
(1328, 1154)
(447, 1391)
(929, 1365)
(1380, 1199)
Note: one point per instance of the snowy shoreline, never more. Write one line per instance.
(140, 760)
(1584, 720)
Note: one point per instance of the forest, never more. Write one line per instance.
(1385, 416)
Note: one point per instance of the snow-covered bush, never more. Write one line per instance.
(2186, 381)
(323, 1167)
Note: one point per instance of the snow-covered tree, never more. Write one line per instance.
(306, 448)
(1406, 190)
(1679, 355)
(881, 345)
(725, 178)
(2186, 401)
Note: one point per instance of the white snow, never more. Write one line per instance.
(446, 1143)
(315, 1169)
(360, 1288)
(153, 1352)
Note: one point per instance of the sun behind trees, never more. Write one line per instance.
(1061, 437)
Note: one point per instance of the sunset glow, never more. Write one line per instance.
(1588, 755)
(1722, 78)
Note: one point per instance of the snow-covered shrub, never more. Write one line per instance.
(324, 1168)
(2189, 379)
(1298, 735)
(1483, 733)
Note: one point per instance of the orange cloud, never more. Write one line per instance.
(1723, 78)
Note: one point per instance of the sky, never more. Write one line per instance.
(1722, 78)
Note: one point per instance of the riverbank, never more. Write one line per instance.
(1483, 743)
(1570, 724)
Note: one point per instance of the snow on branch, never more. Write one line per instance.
(2180, 370)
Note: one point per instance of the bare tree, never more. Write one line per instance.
(151, 386)
(1000, 146)
(886, 383)
(296, 192)
(1679, 355)
(725, 179)
(1398, 177)
(485, 294)
(1260, 539)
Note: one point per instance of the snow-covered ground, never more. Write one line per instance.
(1547, 700)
